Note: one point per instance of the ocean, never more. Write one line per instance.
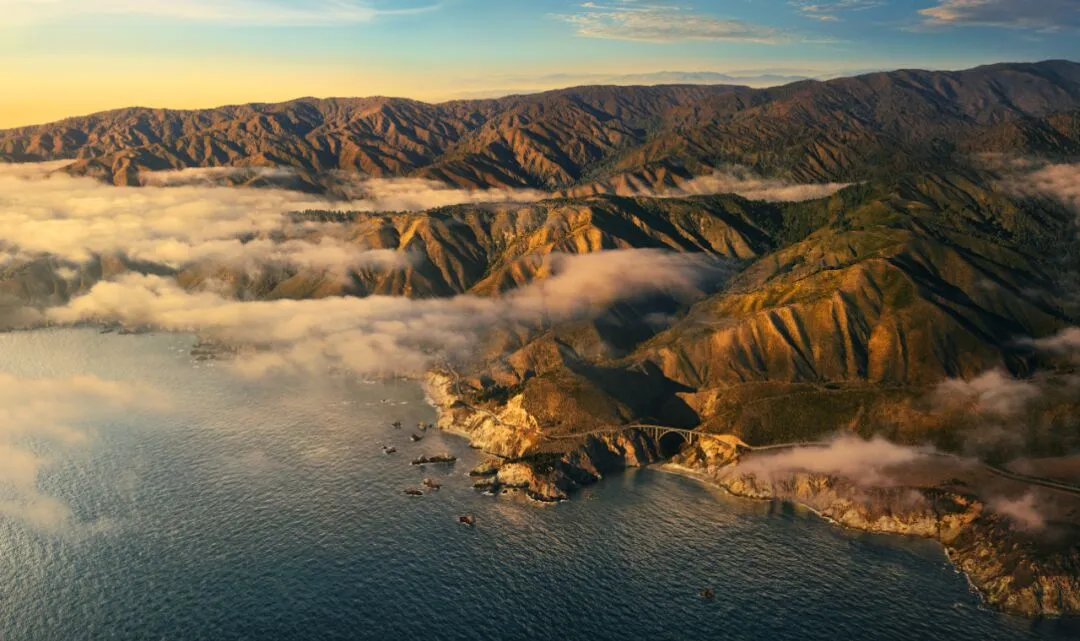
(266, 510)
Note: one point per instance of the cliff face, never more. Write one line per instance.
(1018, 572)
(1021, 572)
(510, 433)
(523, 458)
(897, 510)
(1029, 573)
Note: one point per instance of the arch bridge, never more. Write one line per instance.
(657, 432)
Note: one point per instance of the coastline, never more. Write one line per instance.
(1008, 570)
(690, 473)
(985, 550)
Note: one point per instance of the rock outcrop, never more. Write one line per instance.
(523, 458)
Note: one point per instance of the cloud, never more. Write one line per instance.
(47, 409)
(32, 170)
(415, 194)
(1066, 341)
(217, 176)
(662, 23)
(184, 217)
(732, 179)
(326, 254)
(1047, 15)
(1058, 181)
(1000, 408)
(827, 11)
(79, 218)
(748, 185)
(242, 12)
(993, 392)
(1024, 511)
(392, 335)
(862, 461)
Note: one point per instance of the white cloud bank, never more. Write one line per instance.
(79, 218)
(862, 461)
(185, 217)
(1066, 342)
(1060, 182)
(753, 187)
(1023, 511)
(390, 335)
(994, 392)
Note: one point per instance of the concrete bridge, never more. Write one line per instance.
(657, 432)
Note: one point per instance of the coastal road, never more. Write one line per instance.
(779, 447)
(1032, 480)
(732, 440)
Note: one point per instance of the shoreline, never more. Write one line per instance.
(438, 393)
(975, 542)
(689, 473)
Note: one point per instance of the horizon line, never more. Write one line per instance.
(496, 95)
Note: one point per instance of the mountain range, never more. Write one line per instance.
(908, 305)
(842, 130)
(924, 270)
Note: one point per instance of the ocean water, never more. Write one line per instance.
(266, 510)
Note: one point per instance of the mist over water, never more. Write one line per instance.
(265, 509)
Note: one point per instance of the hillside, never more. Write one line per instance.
(842, 130)
(846, 315)
(933, 301)
(857, 305)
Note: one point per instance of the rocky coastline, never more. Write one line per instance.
(1020, 572)
(1033, 574)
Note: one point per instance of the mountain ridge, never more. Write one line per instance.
(907, 306)
(839, 130)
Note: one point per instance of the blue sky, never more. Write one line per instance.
(72, 56)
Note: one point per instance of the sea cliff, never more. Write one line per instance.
(1031, 572)
(1024, 572)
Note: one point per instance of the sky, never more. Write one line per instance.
(63, 58)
